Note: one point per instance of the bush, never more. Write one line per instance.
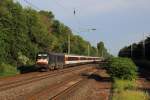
(7, 70)
(122, 68)
(22, 58)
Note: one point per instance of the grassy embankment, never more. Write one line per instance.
(124, 74)
(127, 90)
(7, 70)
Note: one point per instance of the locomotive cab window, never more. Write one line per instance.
(42, 56)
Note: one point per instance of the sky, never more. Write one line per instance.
(118, 23)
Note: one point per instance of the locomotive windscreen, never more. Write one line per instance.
(42, 56)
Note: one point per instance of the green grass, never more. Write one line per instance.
(7, 70)
(127, 90)
(131, 95)
(121, 85)
(7, 74)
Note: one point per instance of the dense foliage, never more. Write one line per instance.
(25, 31)
(137, 50)
(122, 68)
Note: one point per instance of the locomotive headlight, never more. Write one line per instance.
(42, 61)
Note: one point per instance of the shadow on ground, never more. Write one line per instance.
(143, 69)
(144, 73)
(96, 77)
(99, 78)
(145, 76)
(27, 69)
(145, 89)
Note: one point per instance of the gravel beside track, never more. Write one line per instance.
(97, 86)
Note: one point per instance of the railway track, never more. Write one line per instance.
(68, 90)
(32, 77)
(144, 80)
(14, 84)
(57, 91)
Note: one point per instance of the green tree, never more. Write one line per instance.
(101, 48)
(102, 51)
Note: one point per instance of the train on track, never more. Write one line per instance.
(50, 61)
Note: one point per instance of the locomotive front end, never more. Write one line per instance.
(42, 61)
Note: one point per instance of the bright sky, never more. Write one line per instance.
(118, 22)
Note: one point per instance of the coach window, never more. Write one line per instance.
(72, 58)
